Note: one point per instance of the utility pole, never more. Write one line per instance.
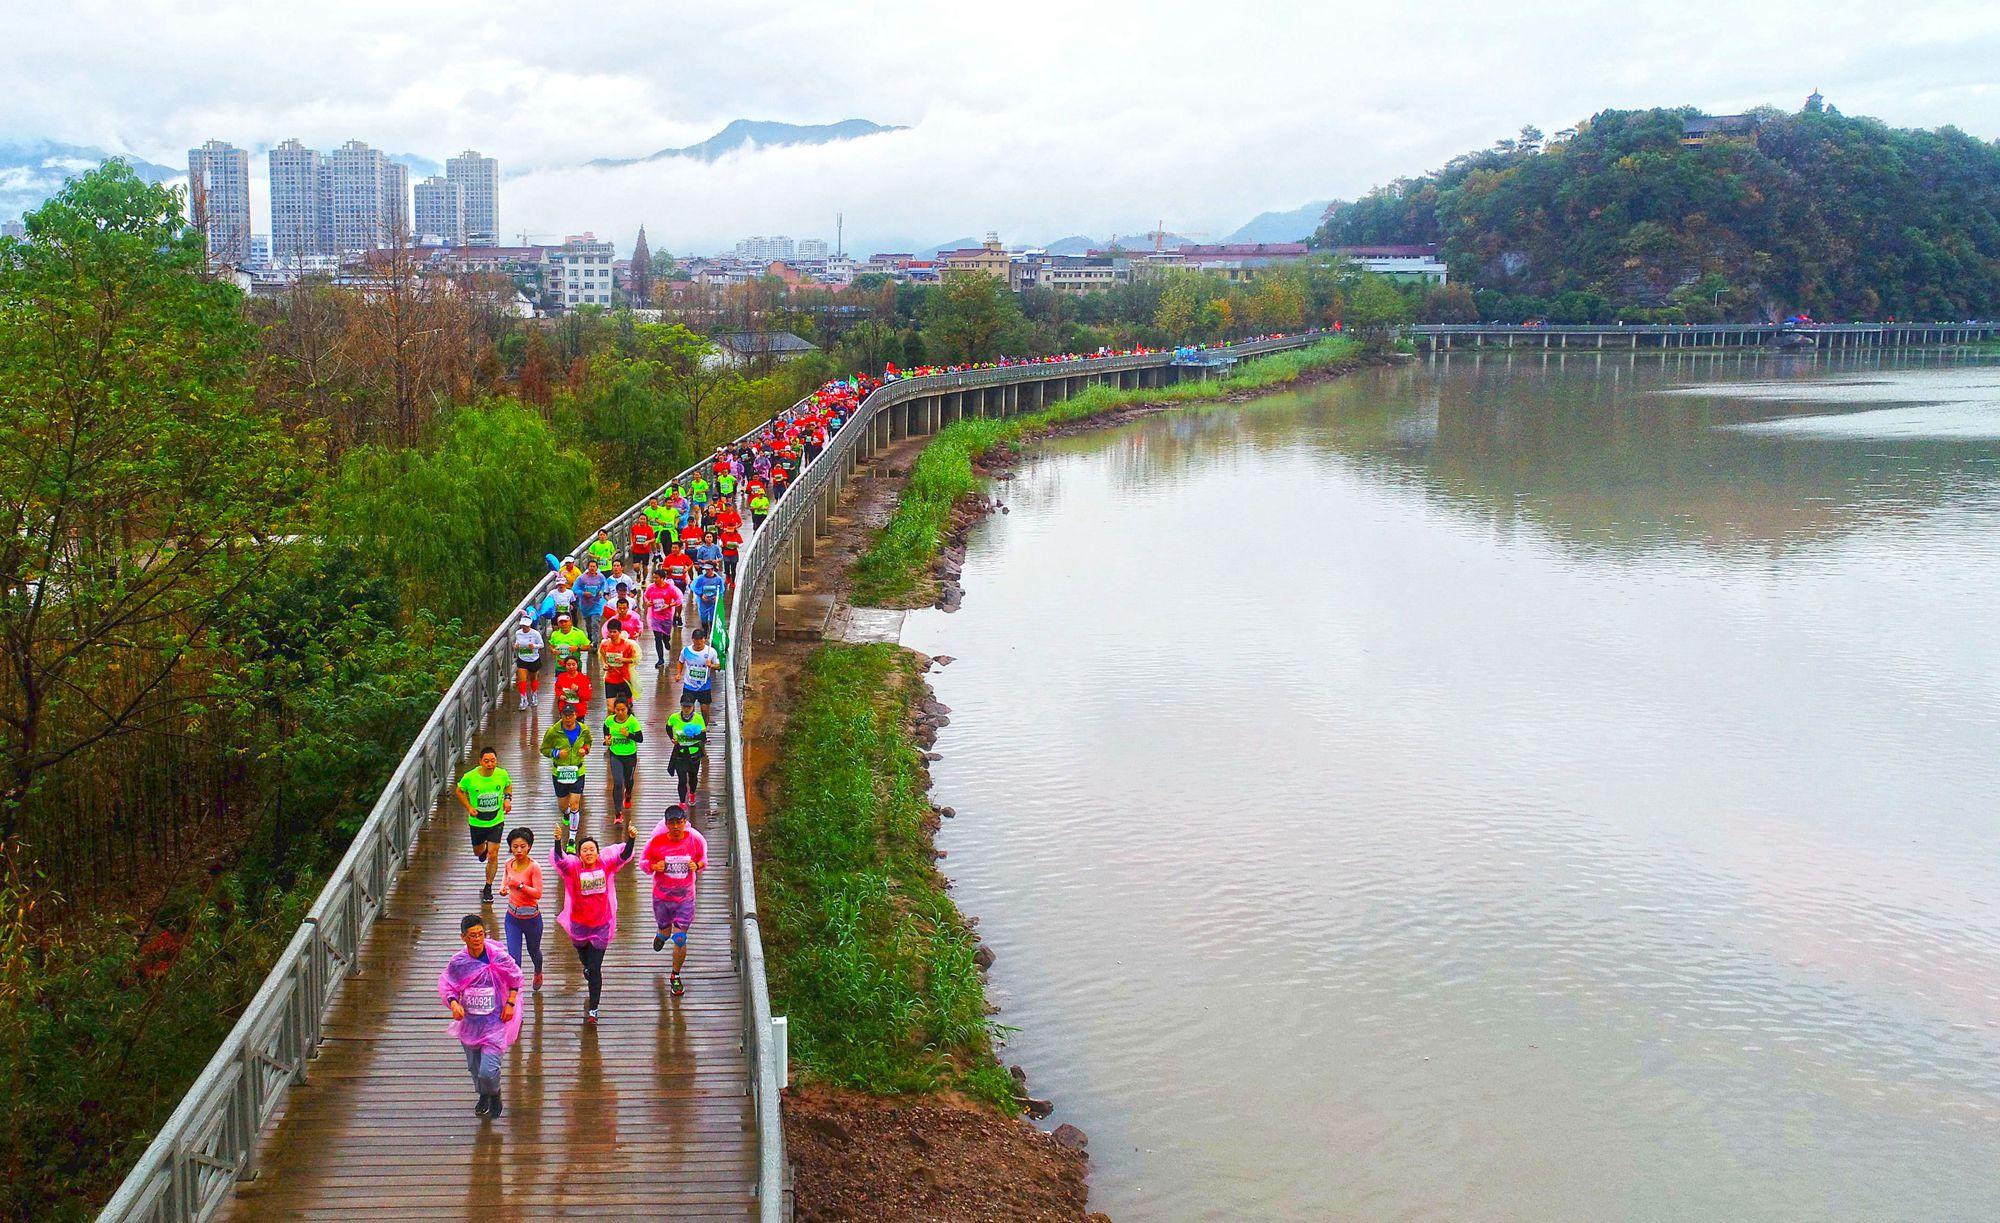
(840, 233)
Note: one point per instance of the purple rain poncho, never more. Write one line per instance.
(601, 899)
(482, 989)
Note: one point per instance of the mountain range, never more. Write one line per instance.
(32, 170)
(759, 133)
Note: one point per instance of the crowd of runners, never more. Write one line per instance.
(610, 608)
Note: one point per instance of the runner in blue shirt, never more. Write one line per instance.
(590, 591)
(708, 588)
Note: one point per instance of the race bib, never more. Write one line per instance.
(489, 801)
(567, 773)
(677, 868)
(590, 883)
(477, 1000)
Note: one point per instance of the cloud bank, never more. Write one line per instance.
(1036, 119)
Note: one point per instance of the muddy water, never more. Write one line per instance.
(1547, 790)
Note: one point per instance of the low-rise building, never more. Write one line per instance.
(578, 272)
(1417, 264)
(1072, 274)
(1697, 130)
(741, 348)
(1233, 261)
(989, 257)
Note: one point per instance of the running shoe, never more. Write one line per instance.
(590, 1016)
(675, 985)
(482, 1109)
(524, 701)
(538, 980)
(660, 941)
(493, 1110)
(486, 893)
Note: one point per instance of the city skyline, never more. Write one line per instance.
(1308, 104)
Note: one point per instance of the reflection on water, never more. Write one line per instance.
(1489, 790)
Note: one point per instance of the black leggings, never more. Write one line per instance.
(686, 768)
(593, 969)
(623, 769)
(661, 638)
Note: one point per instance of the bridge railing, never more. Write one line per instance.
(209, 1142)
(754, 568)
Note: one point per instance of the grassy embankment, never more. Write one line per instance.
(868, 955)
(896, 564)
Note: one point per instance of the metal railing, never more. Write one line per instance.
(209, 1143)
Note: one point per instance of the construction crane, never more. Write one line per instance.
(1159, 234)
(528, 239)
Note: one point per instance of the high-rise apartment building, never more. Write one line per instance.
(478, 180)
(777, 247)
(396, 203)
(440, 211)
(219, 195)
(301, 204)
(360, 187)
(812, 248)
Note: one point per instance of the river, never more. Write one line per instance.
(1546, 788)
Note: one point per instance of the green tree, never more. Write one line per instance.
(459, 523)
(973, 317)
(686, 366)
(1179, 307)
(1374, 306)
(138, 480)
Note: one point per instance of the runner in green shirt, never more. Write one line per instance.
(602, 548)
(567, 746)
(487, 794)
(622, 736)
(690, 732)
(568, 642)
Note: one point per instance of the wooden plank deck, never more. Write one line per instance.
(645, 1115)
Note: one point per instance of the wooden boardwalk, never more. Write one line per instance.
(643, 1116)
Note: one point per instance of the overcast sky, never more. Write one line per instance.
(1035, 118)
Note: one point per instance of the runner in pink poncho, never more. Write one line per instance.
(590, 905)
(675, 857)
(482, 987)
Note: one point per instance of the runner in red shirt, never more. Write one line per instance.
(642, 546)
(572, 687)
(732, 543)
(619, 653)
(679, 566)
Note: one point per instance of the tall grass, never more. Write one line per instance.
(897, 562)
(868, 956)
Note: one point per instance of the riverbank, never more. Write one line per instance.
(902, 1111)
(902, 566)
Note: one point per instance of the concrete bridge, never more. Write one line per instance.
(1440, 337)
(338, 1093)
